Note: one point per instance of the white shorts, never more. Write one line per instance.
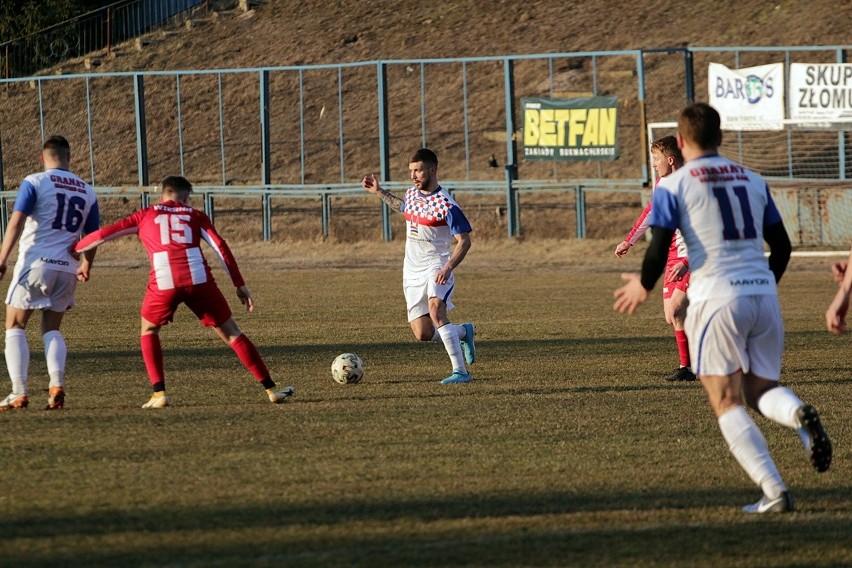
(40, 288)
(727, 334)
(418, 292)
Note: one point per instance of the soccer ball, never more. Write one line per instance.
(347, 369)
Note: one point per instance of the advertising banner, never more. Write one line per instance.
(820, 91)
(570, 129)
(748, 99)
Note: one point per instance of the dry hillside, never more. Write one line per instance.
(280, 33)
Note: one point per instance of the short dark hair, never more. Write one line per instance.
(667, 146)
(176, 183)
(57, 144)
(424, 155)
(700, 124)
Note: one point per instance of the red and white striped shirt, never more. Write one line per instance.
(171, 232)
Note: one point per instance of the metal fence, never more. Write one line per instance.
(99, 29)
(297, 131)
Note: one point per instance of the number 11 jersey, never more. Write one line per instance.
(721, 208)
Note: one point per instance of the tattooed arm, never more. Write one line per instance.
(371, 184)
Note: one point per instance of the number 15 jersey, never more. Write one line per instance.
(59, 207)
(721, 208)
(171, 233)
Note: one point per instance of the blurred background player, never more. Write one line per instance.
(666, 158)
(51, 210)
(835, 315)
(434, 221)
(171, 231)
(734, 326)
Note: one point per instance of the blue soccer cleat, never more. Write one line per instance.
(467, 345)
(457, 377)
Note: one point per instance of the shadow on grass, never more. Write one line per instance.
(427, 533)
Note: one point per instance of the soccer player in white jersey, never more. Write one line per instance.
(171, 232)
(51, 210)
(733, 323)
(434, 222)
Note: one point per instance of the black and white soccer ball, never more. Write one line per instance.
(347, 369)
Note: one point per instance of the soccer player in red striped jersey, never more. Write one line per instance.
(666, 159)
(171, 232)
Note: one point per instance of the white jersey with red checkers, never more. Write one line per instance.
(432, 220)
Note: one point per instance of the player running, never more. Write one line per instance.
(51, 211)
(666, 158)
(734, 324)
(171, 231)
(434, 221)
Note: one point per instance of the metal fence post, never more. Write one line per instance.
(384, 143)
(512, 212)
(141, 130)
(580, 209)
(326, 213)
(265, 154)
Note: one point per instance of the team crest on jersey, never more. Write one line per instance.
(428, 210)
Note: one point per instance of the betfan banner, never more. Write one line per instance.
(751, 98)
(570, 129)
(820, 91)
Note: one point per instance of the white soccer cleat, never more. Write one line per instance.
(781, 504)
(157, 402)
(14, 401)
(280, 396)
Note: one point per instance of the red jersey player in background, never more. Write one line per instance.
(171, 231)
(666, 158)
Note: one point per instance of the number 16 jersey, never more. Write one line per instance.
(59, 207)
(171, 233)
(721, 208)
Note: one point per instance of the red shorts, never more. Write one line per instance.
(669, 286)
(205, 300)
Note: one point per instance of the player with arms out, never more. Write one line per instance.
(734, 325)
(171, 232)
(52, 209)
(434, 221)
(666, 158)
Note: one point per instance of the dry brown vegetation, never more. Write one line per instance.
(281, 33)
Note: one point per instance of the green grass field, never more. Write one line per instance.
(568, 449)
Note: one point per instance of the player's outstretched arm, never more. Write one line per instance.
(245, 297)
(371, 184)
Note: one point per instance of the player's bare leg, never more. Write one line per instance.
(675, 311)
(781, 405)
(152, 354)
(247, 353)
(746, 442)
(451, 338)
(55, 354)
(17, 357)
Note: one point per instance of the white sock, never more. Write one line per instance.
(748, 446)
(450, 337)
(460, 331)
(17, 359)
(780, 405)
(55, 353)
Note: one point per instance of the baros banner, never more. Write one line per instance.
(751, 98)
(820, 91)
(571, 129)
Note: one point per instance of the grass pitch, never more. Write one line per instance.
(568, 449)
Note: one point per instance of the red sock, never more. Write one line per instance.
(249, 357)
(682, 347)
(152, 354)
